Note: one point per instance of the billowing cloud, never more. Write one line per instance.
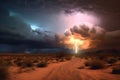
(99, 38)
(86, 31)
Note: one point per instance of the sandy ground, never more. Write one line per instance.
(66, 71)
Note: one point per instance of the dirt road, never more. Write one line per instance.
(67, 71)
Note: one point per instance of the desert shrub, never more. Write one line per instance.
(42, 64)
(81, 67)
(24, 64)
(19, 64)
(112, 60)
(29, 64)
(61, 60)
(87, 63)
(68, 58)
(95, 64)
(35, 61)
(5, 63)
(116, 70)
(101, 57)
(16, 61)
(8, 63)
(86, 58)
(61, 55)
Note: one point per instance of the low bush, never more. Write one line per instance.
(95, 64)
(116, 70)
(24, 64)
(42, 64)
(112, 60)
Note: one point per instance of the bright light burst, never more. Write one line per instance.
(76, 43)
(76, 47)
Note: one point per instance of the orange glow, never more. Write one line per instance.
(76, 43)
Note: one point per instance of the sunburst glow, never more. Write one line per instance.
(76, 43)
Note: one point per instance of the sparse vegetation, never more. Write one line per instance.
(87, 63)
(116, 69)
(112, 60)
(29, 63)
(68, 58)
(35, 61)
(95, 64)
(42, 64)
(24, 64)
(81, 67)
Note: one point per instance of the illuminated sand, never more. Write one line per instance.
(66, 71)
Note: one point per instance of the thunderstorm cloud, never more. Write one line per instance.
(17, 16)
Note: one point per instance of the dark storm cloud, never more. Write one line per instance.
(102, 5)
(14, 31)
(12, 24)
(108, 10)
(86, 31)
(110, 40)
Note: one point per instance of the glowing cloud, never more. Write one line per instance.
(82, 37)
(77, 18)
(76, 42)
(34, 27)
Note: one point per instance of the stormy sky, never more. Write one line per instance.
(40, 24)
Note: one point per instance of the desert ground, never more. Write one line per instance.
(65, 68)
